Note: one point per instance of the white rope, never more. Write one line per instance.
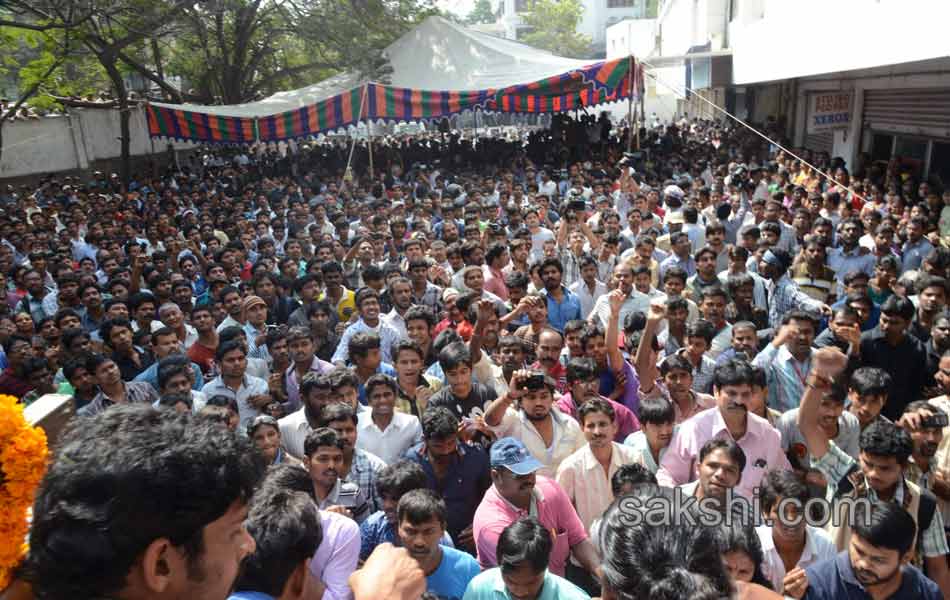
(683, 92)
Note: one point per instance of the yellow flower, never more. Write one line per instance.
(22, 464)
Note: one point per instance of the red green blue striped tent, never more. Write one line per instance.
(196, 126)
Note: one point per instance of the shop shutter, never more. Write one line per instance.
(923, 111)
(822, 141)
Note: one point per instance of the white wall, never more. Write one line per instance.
(52, 144)
(784, 39)
(597, 18)
(687, 23)
(632, 36)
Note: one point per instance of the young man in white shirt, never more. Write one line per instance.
(382, 430)
(789, 544)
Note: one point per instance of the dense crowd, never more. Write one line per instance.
(543, 366)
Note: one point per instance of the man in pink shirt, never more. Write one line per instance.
(583, 382)
(496, 257)
(731, 419)
(517, 492)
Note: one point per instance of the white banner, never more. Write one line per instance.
(829, 110)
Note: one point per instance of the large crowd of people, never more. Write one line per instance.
(533, 366)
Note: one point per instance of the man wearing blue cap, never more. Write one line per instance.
(518, 492)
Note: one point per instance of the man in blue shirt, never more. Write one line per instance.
(457, 471)
(524, 548)
(876, 563)
(392, 483)
(563, 304)
(286, 529)
(421, 515)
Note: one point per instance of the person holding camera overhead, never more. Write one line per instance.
(548, 434)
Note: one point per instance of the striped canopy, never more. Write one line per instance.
(422, 57)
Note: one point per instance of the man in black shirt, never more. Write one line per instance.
(466, 398)
(889, 347)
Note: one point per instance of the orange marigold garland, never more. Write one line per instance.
(23, 456)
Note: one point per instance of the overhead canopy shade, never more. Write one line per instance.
(439, 69)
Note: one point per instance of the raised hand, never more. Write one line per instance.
(616, 299)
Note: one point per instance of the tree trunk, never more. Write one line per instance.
(109, 63)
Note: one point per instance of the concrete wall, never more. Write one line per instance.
(598, 17)
(75, 141)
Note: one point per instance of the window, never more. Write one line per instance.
(621, 3)
(521, 5)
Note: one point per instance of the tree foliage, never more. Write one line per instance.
(208, 51)
(233, 51)
(481, 13)
(552, 25)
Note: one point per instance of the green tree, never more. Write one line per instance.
(481, 13)
(113, 32)
(552, 25)
(653, 7)
(234, 51)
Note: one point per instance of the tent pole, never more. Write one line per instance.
(348, 173)
(369, 137)
(475, 141)
(643, 93)
(630, 110)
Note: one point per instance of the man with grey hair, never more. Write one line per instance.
(170, 315)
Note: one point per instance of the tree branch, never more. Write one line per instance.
(151, 76)
(289, 71)
(31, 90)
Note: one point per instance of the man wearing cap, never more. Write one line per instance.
(254, 311)
(516, 492)
(675, 222)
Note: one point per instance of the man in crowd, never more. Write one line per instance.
(730, 419)
(518, 491)
(124, 457)
(324, 461)
(457, 470)
(548, 434)
(421, 515)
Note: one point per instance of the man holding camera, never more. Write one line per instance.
(548, 434)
